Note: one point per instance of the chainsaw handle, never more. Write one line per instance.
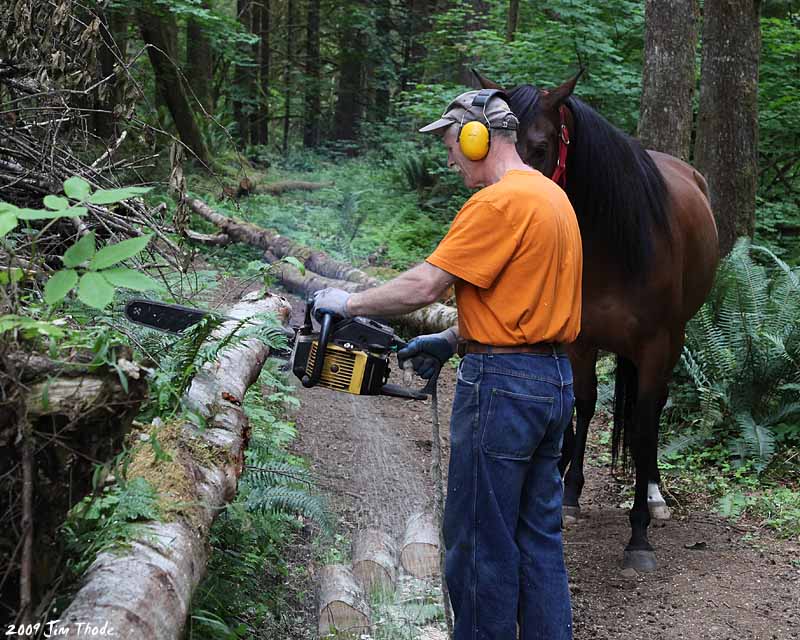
(430, 386)
(322, 347)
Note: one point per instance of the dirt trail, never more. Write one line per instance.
(372, 456)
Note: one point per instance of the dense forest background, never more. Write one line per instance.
(300, 116)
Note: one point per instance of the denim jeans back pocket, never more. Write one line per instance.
(515, 424)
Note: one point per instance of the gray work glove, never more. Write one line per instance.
(331, 300)
(429, 352)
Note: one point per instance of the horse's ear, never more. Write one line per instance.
(555, 97)
(485, 82)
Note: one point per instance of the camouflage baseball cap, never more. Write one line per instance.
(496, 111)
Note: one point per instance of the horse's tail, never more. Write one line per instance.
(625, 390)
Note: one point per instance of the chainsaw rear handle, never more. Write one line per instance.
(430, 386)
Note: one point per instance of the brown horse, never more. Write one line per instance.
(650, 252)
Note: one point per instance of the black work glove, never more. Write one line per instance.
(429, 352)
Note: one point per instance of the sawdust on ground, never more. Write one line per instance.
(372, 458)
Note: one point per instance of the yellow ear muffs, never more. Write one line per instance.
(474, 140)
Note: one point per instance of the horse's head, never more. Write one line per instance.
(540, 120)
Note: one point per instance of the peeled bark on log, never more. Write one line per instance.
(217, 239)
(420, 551)
(321, 270)
(375, 560)
(145, 591)
(342, 605)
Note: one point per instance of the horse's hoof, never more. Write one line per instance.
(659, 510)
(641, 560)
(570, 515)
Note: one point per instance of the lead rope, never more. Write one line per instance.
(436, 473)
(438, 489)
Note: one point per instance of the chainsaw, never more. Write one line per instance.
(355, 351)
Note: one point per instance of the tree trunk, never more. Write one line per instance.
(668, 76)
(155, 29)
(417, 25)
(255, 26)
(287, 74)
(348, 110)
(727, 130)
(312, 106)
(114, 33)
(262, 135)
(241, 79)
(199, 68)
(145, 590)
(513, 20)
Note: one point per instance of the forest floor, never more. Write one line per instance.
(715, 579)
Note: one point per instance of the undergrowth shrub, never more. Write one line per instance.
(741, 363)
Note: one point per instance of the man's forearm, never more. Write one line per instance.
(396, 297)
(411, 290)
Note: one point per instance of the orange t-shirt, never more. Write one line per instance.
(516, 248)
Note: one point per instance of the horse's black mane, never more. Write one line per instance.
(618, 193)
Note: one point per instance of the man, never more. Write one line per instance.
(514, 255)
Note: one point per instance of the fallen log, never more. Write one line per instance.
(374, 560)
(321, 270)
(277, 188)
(431, 319)
(280, 246)
(218, 239)
(342, 606)
(145, 590)
(419, 554)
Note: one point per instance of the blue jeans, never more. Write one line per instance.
(502, 520)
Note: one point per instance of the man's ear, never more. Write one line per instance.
(554, 98)
(485, 83)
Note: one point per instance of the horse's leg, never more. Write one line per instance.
(585, 385)
(652, 378)
(655, 501)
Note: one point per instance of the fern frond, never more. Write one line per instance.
(277, 499)
(757, 440)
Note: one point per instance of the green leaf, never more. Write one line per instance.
(59, 285)
(77, 188)
(10, 322)
(8, 221)
(80, 252)
(44, 214)
(56, 203)
(296, 264)
(11, 275)
(114, 253)
(110, 196)
(95, 291)
(130, 279)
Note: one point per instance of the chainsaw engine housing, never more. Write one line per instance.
(356, 357)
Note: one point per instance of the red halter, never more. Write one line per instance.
(560, 174)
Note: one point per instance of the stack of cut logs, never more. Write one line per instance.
(343, 594)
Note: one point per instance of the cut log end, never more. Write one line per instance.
(375, 560)
(420, 552)
(343, 610)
